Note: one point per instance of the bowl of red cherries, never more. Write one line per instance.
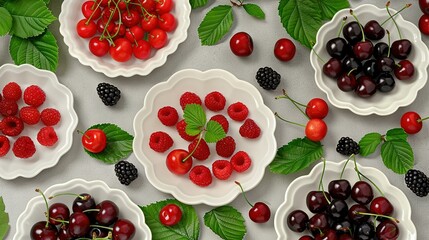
(370, 60)
(81, 209)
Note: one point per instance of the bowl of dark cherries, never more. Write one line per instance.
(370, 60)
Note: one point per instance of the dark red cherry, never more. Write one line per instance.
(373, 30)
(79, 224)
(370, 69)
(338, 209)
(404, 70)
(365, 89)
(297, 221)
(424, 6)
(347, 82)
(317, 202)
(64, 234)
(345, 237)
(381, 49)
(326, 235)
(351, 62)
(387, 230)
(352, 32)
(306, 237)
(318, 222)
(385, 82)
(332, 68)
(343, 226)
(123, 229)
(340, 189)
(354, 213)
(381, 206)
(260, 212)
(83, 202)
(363, 50)
(43, 231)
(385, 64)
(362, 192)
(108, 213)
(401, 48)
(58, 211)
(364, 231)
(337, 47)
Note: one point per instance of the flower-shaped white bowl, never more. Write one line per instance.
(298, 189)
(261, 150)
(57, 96)
(99, 190)
(78, 47)
(404, 92)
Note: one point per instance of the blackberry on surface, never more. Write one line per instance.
(346, 146)
(267, 78)
(126, 172)
(108, 93)
(418, 182)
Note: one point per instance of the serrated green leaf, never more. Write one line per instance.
(40, 51)
(4, 220)
(6, 21)
(396, 133)
(46, 2)
(119, 144)
(297, 155)
(397, 155)
(214, 132)
(369, 143)
(195, 119)
(226, 222)
(301, 19)
(30, 18)
(187, 229)
(254, 10)
(215, 25)
(197, 3)
(329, 7)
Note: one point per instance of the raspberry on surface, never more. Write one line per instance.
(221, 119)
(201, 176)
(347, 146)
(241, 161)
(238, 111)
(47, 136)
(24, 147)
(12, 91)
(202, 152)
(29, 115)
(108, 93)
(126, 172)
(4, 145)
(418, 182)
(34, 96)
(181, 129)
(12, 126)
(215, 101)
(160, 141)
(250, 129)
(222, 169)
(225, 147)
(50, 116)
(168, 116)
(188, 98)
(8, 107)
(268, 78)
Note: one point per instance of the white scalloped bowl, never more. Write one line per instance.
(57, 96)
(297, 191)
(261, 150)
(78, 47)
(99, 190)
(382, 104)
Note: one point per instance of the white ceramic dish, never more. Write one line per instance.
(57, 96)
(35, 209)
(298, 189)
(261, 150)
(78, 47)
(404, 92)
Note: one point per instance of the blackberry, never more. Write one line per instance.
(126, 172)
(108, 93)
(267, 78)
(418, 182)
(346, 146)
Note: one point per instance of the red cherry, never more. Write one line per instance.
(306, 237)
(142, 50)
(101, 24)
(134, 33)
(404, 70)
(130, 18)
(241, 44)
(424, 6)
(170, 215)
(99, 47)
(424, 24)
(94, 140)
(90, 10)
(260, 213)
(122, 50)
(411, 122)
(43, 230)
(86, 28)
(163, 6)
(316, 129)
(167, 22)
(149, 5)
(58, 211)
(327, 235)
(284, 49)
(123, 229)
(176, 164)
(317, 108)
(149, 22)
(158, 38)
(381, 206)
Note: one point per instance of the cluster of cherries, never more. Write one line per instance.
(359, 65)
(126, 28)
(87, 221)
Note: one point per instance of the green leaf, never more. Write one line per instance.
(214, 132)
(254, 10)
(119, 144)
(4, 220)
(297, 155)
(329, 7)
(187, 228)
(369, 143)
(197, 3)
(195, 119)
(6, 22)
(397, 155)
(301, 19)
(215, 25)
(30, 18)
(226, 222)
(46, 2)
(396, 133)
(40, 51)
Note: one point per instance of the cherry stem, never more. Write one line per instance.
(360, 26)
(91, 210)
(378, 215)
(321, 180)
(277, 115)
(244, 194)
(83, 133)
(345, 164)
(239, 4)
(350, 72)
(70, 194)
(402, 9)
(47, 207)
(368, 179)
(195, 148)
(342, 26)
(103, 227)
(295, 103)
(394, 21)
(422, 119)
(108, 237)
(388, 42)
(92, 14)
(317, 55)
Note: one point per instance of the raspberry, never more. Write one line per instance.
(29, 115)
(241, 161)
(24, 147)
(11, 126)
(34, 96)
(50, 116)
(201, 176)
(418, 182)
(12, 91)
(8, 107)
(126, 172)
(222, 121)
(238, 111)
(250, 129)
(160, 141)
(202, 152)
(222, 169)
(188, 98)
(108, 93)
(346, 146)
(181, 126)
(168, 116)
(225, 147)
(47, 136)
(267, 78)
(215, 101)
(4, 145)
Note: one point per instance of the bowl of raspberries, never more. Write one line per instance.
(37, 120)
(199, 132)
